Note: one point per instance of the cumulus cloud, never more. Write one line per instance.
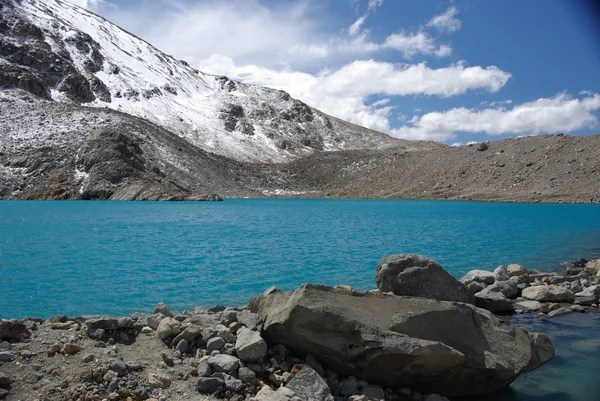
(561, 113)
(446, 22)
(344, 92)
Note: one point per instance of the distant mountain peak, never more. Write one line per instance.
(59, 51)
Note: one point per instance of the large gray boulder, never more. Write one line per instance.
(449, 348)
(493, 300)
(418, 276)
(548, 293)
(481, 276)
(250, 346)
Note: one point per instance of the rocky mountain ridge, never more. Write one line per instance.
(89, 111)
(61, 52)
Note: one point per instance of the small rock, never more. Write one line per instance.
(547, 293)
(585, 301)
(167, 359)
(168, 328)
(215, 343)
(246, 375)
(515, 270)
(13, 331)
(248, 319)
(162, 309)
(209, 384)
(223, 363)
(204, 368)
(529, 306)
(250, 346)
(71, 349)
(189, 334)
(182, 346)
(5, 381)
(59, 319)
(271, 290)
(154, 320)
(481, 276)
(559, 312)
(501, 274)
(120, 367)
(592, 291)
(578, 308)
(88, 358)
(147, 330)
(110, 376)
(267, 394)
(435, 397)
(308, 385)
(157, 380)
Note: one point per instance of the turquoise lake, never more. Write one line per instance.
(79, 258)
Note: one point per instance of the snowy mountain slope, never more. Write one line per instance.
(62, 52)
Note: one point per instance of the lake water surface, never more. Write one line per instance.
(79, 258)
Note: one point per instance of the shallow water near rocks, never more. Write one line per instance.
(80, 258)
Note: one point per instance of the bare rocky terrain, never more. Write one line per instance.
(51, 150)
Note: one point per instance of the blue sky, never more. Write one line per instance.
(451, 71)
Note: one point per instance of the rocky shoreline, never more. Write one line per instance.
(420, 336)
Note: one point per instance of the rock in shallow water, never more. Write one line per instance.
(418, 276)
(548, 293)
(453, 349)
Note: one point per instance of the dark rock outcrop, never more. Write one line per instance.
(453, 349)
(418, 276)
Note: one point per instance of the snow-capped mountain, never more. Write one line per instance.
(61, 52)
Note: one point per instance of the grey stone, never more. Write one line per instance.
(548, 293)
(515, 270)
(267, 394)
(418, 276)
(558, 279)
(493, 300)
(592, 291)
(475, 287)
(5, 346)
(157, 380)
(5, 381)
(223, 363)
(162, 308)
(108, 323)
(453, 349)
(250, 346)
(120, 367)
(189, 334)
(230, 382)
(528, 306)
(481, 276)
(203, 368)
(271, 290)
(508, 288)
(308, 385)
(500, 274)
(209, 384)
(248, 319)
(168, 328)
(182, 346)
(585, 301)
(559, 312)
(154, 320)
(13, 330)
(246, 375)
(215, 343)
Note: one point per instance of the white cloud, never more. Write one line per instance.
(373, 4)
(92, 4)
(344, 92)
(355, 27)
(561, 113)
(446, 22)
